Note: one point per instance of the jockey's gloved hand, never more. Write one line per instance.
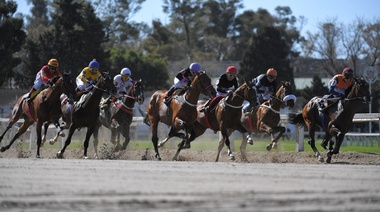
(88, 88)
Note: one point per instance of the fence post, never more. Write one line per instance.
(299, 139)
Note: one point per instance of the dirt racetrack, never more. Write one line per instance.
(274, 181)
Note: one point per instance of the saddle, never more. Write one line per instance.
(324, 103)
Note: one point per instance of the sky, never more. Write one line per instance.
(315, 11)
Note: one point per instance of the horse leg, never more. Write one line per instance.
(113, 135)
(228, 144)
(162, 143)
(96, 141)
(155, 138)
(339, 139)
(46, 126)
(39, 139)
(24, 126)
(67, 142)
(89, 132)
(275, 139)
(125, 132)
(311, 129)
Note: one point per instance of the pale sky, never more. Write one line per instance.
(314, 11)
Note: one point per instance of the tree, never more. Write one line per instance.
(267, 50)
(317, 88)
(11, 39)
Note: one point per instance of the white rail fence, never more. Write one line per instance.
(140, 129)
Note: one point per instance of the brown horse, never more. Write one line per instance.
(87, 113)
(223, 115)
(44, 109)
(268, 114)
(181, 113)
(336, 120)
(120, 117)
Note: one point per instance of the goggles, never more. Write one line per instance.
(271, 77)
(94, 69)
(125, 76)
(52, 68)
(230, 75)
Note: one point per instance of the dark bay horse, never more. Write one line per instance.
(268, 114)
(44, 109)
(87, 113)
(181, 113)
(120, 117)
(223, 116)
(336, 121)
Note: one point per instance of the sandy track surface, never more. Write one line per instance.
(132, 185)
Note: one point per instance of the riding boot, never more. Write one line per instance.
(205, 106)
(170, 92)
(29, 96)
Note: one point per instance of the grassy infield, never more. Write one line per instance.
(258, 146)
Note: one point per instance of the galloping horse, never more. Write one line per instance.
(336, 121)
(268, 114)
(87, 113)
(181, 113)
(223, 115)
(44, 109)
(121, 116)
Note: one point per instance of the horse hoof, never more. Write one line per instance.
(3, 149)
(59, 155)
(51, 142)
(328, 160)
(85, 157)
(38, 156)
(232, 157)
(250, 141)
(62, 134)
(269, 147)
(187, 146)
(320, 159)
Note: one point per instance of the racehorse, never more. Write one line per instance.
(181, 112)
(86, 113)
(336, 120)
(44, 110)
(222, 115)
(268, 114)
(120, 116)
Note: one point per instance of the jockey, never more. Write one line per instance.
(122, 82)
(43, 77)
(183, 78)
(338, 86)
(226, 83)
(88, 76)
(265, 85)
(340, 82)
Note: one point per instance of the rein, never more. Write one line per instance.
(269, 107)
(104, 90)
(183, 100)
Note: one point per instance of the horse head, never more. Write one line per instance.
(360, 89)
(138, 91)
(203, 82)
(68, 86)
(105, 82)
(285, 93)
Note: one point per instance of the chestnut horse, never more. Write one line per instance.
(44, 109)
(268, 114)
(120, 117)
(181, 112)
(223, 116)
(87, 113)
(336, 120)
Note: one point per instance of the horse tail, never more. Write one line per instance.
(296, 119)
